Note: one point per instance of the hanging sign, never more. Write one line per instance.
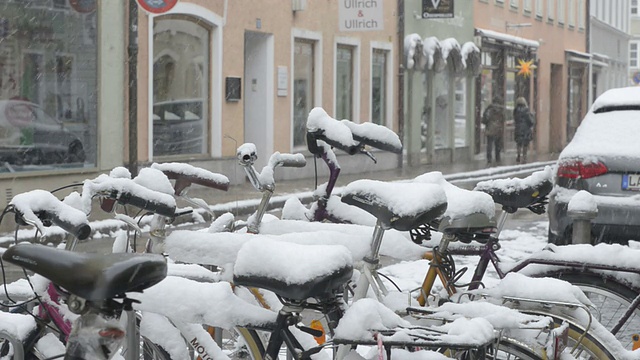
(437, 9)
(360, 15)
(157, 6)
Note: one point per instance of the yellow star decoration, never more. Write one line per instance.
(525, 68)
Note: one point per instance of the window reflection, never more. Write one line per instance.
(48, 82)
(303, 75)
(344, 83)
(378, 87)
(181, 47)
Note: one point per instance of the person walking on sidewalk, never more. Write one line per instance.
(524, 122)
(493, 119)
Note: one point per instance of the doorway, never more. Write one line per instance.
(258, 93)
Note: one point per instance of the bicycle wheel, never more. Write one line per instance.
(10, 347)
(512, 349)
(152, 351)
(611, 300)
(240, 343)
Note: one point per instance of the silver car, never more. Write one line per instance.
(603, 158)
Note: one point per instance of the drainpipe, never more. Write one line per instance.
(133, 87)
(401, 119)
(590, 80)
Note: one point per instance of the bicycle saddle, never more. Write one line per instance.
(514, 193)
(400, 206)
(90, 276)
(293, 271)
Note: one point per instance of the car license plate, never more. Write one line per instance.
(631, 182)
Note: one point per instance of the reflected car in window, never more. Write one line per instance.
(30, 136)
(178, 127)
(603, 158)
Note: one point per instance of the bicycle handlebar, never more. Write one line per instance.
(287, 160)
(41, 208)
(186, 174)
(127, 198)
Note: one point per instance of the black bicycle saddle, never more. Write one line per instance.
(400, 206)
(515, 193)
(90, 276)
(322, 287)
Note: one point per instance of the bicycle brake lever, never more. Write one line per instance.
(370, 155)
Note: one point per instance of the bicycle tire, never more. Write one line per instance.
(512, 349)
(10, 347)
(611, 299)
(590, 347)
(242, 343)
(152, 351)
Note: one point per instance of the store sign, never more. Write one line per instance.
(360, 15)
(437, 9)
(157, 6)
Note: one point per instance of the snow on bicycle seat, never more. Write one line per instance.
(515, 193)
(400, 206)
(467, 211)
(88, 275)
(293, 271)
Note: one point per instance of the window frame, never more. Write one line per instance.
(215, 23)
(635, 43)
(388, 49)
(355, 92)
(560, 12)
(633, 7)
(539, 10)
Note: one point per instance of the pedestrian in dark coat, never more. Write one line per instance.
(524, 122)
(493, 119)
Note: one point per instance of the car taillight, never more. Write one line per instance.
(580, 170)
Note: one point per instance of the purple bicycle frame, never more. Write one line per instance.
(48, 311)
(321, 212)
(488, 255)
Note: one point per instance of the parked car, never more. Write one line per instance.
(178, 127)
(30, 136)
(603, 158)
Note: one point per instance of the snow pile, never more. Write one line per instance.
(365, 315)
(380, 133)
(18, 325)
(154, 179)
(413, 51)
(584, 202)
(617, 97)
(333, 129)
(500, 317)
(190, 170)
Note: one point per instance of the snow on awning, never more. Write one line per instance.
(578, 56)
(432, 54)
(511, 39)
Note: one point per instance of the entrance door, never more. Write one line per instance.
(258, 93)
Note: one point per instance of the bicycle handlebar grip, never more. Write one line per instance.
(149, 205)
(41, 208)
(291, 160)
(80, 230)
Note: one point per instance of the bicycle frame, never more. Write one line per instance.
(487, 254)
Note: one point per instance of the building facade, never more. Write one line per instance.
(552, 33)
(609, 45)
(633, 78)
(439, 91)
(216, 74)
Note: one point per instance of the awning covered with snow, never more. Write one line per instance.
(435, 55)
(506, 39)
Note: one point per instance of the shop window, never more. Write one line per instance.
(344, 82)
(379, 87)
(442, 110)
(48, 88)
(181, 47)
(303, 88)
